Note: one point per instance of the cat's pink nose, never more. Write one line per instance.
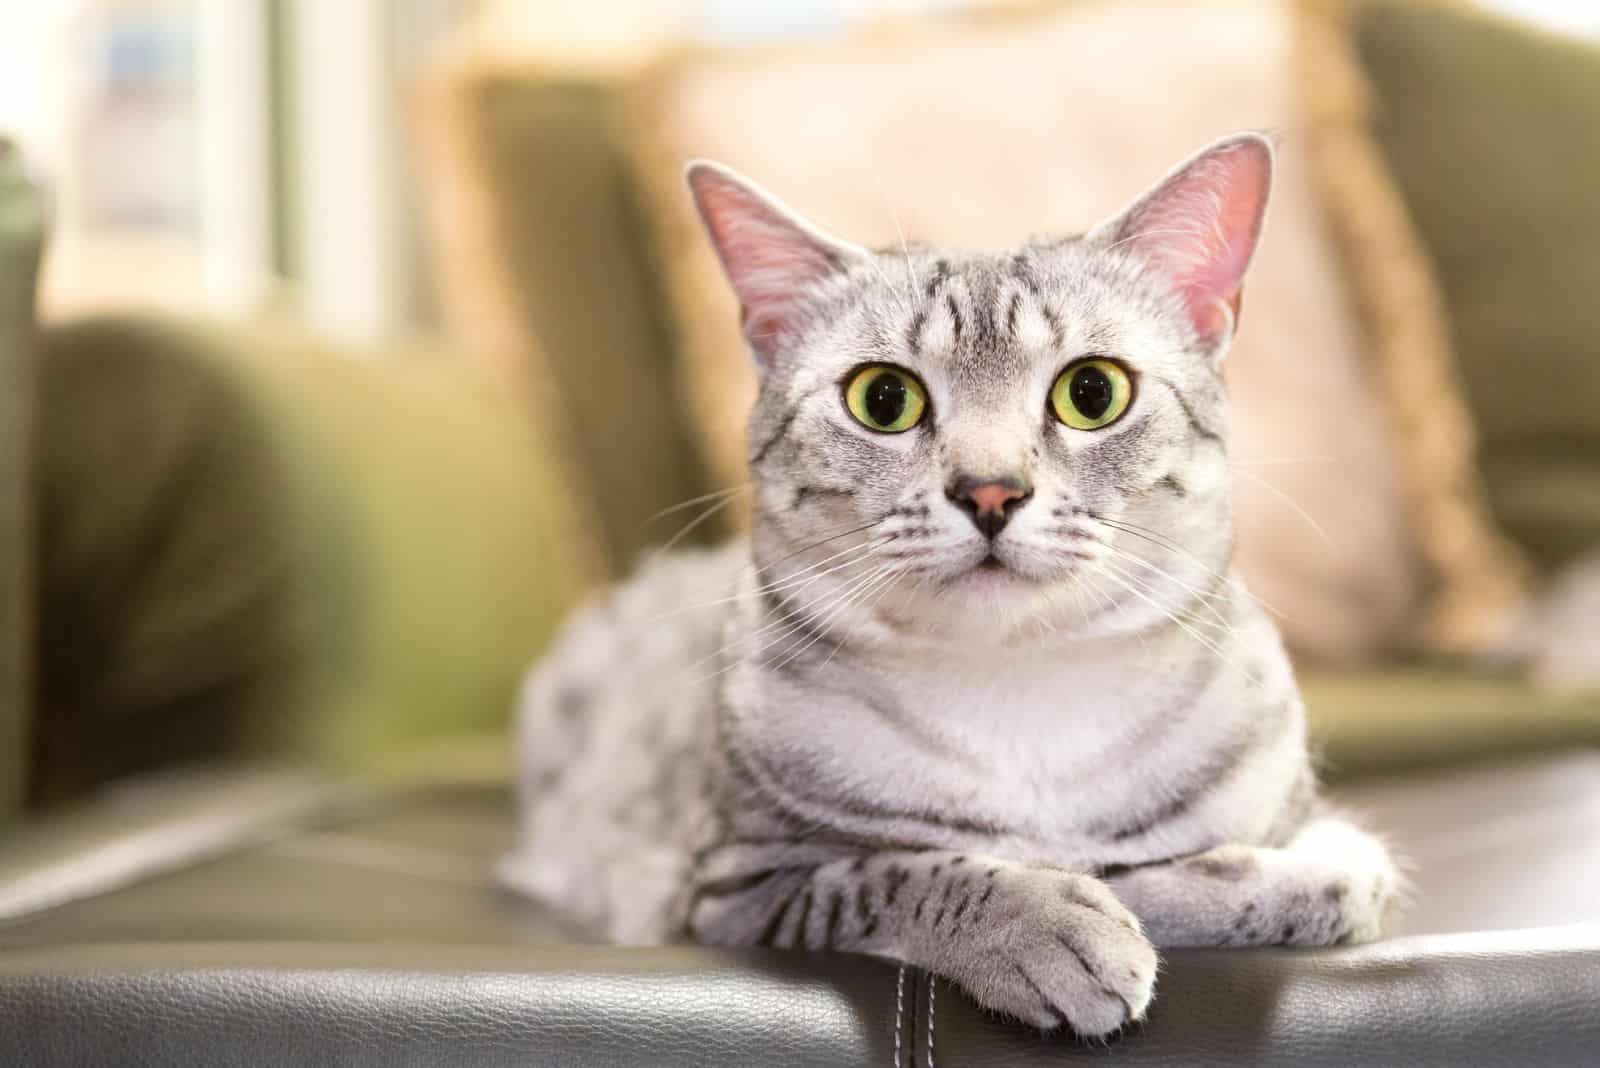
(993, 497)
(989, 502)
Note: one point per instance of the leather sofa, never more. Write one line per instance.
(259, 916)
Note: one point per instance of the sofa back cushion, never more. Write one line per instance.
(543, 277)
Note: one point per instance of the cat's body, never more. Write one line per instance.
(978, 692)
(626, 733)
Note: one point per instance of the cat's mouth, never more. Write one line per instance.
(990, 577)
(991, 573)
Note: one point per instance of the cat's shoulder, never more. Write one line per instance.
(681, 579)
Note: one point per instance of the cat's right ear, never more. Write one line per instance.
(773, 258)
(1199, 226)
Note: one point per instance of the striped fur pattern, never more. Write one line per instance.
(1021, 759)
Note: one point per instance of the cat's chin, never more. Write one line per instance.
(990, 577)
(987, 604)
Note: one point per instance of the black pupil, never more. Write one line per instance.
(885, 399)
(1090, 391)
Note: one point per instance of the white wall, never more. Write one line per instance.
(1575, 16)
(234, 109)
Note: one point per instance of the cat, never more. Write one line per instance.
(978, 693)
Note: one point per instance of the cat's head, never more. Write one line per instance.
(979, 440)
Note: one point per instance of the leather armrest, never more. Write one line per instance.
(270, 921)
(1499, 998)
(1513, 998)
(390, 1005)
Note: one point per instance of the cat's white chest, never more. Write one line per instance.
(1023, 715)
(1045, 744)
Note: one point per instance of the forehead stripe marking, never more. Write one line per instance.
(914, 331)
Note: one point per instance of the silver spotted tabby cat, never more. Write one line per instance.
(978, 693)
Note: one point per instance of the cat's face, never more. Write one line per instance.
(973, 443)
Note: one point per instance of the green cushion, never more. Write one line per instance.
(21, 230)
(1491, 130)
(255, 545)
(1400, 719)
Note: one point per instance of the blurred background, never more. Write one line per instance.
(316, 316)
(227, 156)
(230, 156)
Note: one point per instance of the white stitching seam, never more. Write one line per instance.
(930, 1020)
(899, 1011)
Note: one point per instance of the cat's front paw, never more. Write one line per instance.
(1333, 885)
(1364, 903)
(1350, 888)
(1064, 951)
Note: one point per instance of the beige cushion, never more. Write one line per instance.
(984, 133)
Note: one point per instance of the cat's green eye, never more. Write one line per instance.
(885, 399)
(1091, 394)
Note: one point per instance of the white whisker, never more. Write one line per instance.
(884, 574)
(696, 522)
(786, 624)
(883, 591)
(796, 616)
(1201, 596)
(1286, 499)
(1165, 613)
(802, 578)
(905, 250)
(1112, 607)
(692, 501)
(911, 274)
(1160, 541)
(1127, 582)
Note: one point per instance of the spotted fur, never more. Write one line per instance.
(1020, 760)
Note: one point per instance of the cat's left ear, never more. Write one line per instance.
(773, 258)
(1199, 226)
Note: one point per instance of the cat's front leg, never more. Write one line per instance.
(1048, 946)
(1332, 883)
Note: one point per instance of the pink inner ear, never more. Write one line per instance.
(769, 258)
(1200, 227)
